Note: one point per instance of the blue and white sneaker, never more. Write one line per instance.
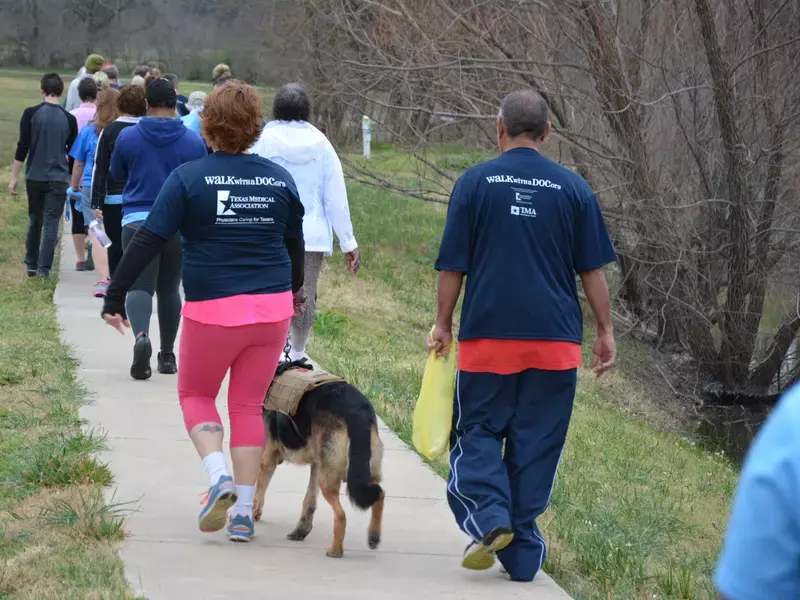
(216, 502)
(241, 528)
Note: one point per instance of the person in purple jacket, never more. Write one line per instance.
(144, 156)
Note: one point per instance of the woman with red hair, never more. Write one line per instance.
(240, 220)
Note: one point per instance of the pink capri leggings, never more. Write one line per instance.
(207, 352)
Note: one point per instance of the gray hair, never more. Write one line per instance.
(197, 100)
(291, 104)
(111, 71)
(524, 113)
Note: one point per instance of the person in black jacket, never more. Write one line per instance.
(106, 191)
(46, 133)
(181, 107)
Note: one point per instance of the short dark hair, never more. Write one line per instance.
(52, 84)
(111, 71)
(160, 93)
(172, 77)
(141, 71)
(524, 113)
(87, 89)
(291, 104)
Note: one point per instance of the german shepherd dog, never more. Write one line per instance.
(336, 432)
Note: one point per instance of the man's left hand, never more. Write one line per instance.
(604, 353)
(352, 261)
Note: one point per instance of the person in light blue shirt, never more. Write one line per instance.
(760, 559)
(195, 105)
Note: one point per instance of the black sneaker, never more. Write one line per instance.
(167, 365)
(142, 351)
(31, 273)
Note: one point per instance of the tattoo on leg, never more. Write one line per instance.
(211, 428)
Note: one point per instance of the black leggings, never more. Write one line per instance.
(162, 277)
(78, 224)
(112, 223)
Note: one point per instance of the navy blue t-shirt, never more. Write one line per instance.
(234, 213)
(520, 227)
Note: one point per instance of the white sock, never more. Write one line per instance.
(295, 355)
(299, 341)
(216, 467)
(244, 504)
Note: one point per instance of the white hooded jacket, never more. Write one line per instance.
(306, 153)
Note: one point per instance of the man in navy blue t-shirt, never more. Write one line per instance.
(519, 227)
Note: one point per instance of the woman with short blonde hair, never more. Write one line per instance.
(101, 80)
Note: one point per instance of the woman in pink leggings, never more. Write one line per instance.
(240, 220)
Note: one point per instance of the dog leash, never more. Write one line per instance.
(287, 349)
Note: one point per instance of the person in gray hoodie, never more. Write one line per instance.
(303, 150)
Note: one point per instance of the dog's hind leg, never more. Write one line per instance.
(306, 521)
(331, 494)
(269, 462)
(374, 532)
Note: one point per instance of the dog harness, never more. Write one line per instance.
(289, 387)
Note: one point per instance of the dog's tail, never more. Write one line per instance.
(363, 493)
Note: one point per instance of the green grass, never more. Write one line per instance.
(637, 512)
(58, 536)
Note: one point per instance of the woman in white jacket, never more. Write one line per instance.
(303, 150)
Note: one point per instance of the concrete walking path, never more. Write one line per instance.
(156, 468)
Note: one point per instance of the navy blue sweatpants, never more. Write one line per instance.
(489, 487)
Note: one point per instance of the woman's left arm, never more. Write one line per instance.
(293, 238)
(161, 224)
(334, 199)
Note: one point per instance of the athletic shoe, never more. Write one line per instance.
(241, 529)
(89, 260)
(217, 501)
(31, 273)
(480, 556)
(167, 365)
(81, 266)
(142, 351)
(100, 289)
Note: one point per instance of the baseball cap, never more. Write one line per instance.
(161, 93)
(94, 62)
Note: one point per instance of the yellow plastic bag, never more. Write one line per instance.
(433, 414)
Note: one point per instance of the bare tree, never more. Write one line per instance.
(682, 116)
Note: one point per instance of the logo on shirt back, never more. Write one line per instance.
(230, 180)
(523, 211)
(543, 183)
(239, 210)
(224, 203)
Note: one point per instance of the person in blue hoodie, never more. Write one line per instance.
(144, 156)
